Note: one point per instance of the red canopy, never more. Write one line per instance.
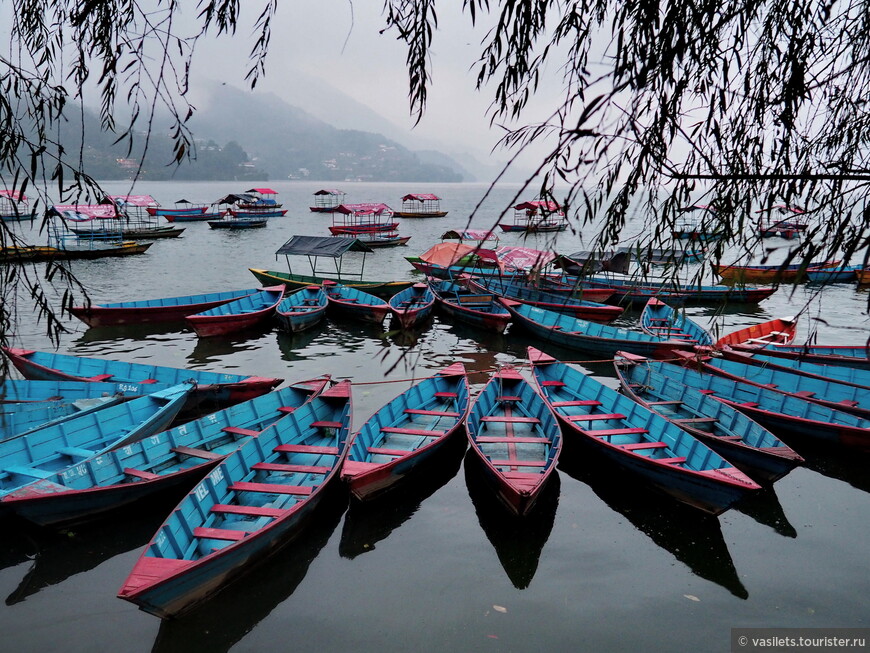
(421, 197)
(523, 258)
(82, 212)
(262, 191)
(356, 209)
(13, 195)
(535, 205)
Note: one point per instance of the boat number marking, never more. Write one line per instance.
(126, 387)
(201, 492)
(217, 475)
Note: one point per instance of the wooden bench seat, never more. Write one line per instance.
(324, 424)
(409, 431)
(510, 419)
(197, 453)
(496, 439)
(506, 398)
(251, 511)
(219, 534)
(575, 402)
(100, 377)
(553, 383)
(235, 430)
(671, 402)
(606, 433)
(271, 488)
(670, 461)
(76, 452)
(634, 446)
(138, 473)
(519, 463)
(306, 448)
(378, 451)
(446, 395)
(433, 413)
(291, 468)
(24, 470)
(593, 417)
(696, 420)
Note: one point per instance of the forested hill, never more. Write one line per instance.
(240, 135)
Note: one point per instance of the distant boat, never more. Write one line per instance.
(514, 433)
(355, 304)
(302, 309)
(479, 309)
(182, 208)
(14, 206)
(841, 274)
(142, 311)
(386, 239)
(325, 201)
(406, 432)
(413, 305)
(365, 218)
(698, 223)
(793, 273)
(536, 216)
(237, 315)
(420, 205)
(239, 222)
(257, 500)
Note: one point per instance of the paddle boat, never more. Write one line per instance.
(481, 310)
(406, 433)
(664, 323)
(301, 310)
(183, 454)
(255, 501)
(142, 311)
(412, 306)
(515, 435)
(637, 439)
(243, 313)
(728, 432)
(355, 304)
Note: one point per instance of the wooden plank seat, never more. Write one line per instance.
(271, 488)
(433, 413)
(378, 451)
(670, 461)
(286, 409)
(506, 398)
(291, 468)
(235, 430)
(497, 439)
(575, 402)
(606, 433)
(324, 424)
(197, 453)
(522, 476)
(519, 463)
(634, 446)
(100, 377)
(252, 511)
(553, 383)
(805, 393)
(671, 402)
(592, 417)
(446, 395)
(306, 448)
(408, 431)
(75, 452)
(24, 470)
(731, 438)
(696, 420)
(510, 419)
(219, 534)
(749, 404)
(138, 473)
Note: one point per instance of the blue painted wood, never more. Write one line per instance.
(251, 504)
(638, 439)
(734, 436)
(302, 310)
(842, 355)
(406, 432)
(44, 452)
(516, 436)
(182, 454)
(839, 373)
(355, 304)
(19, 418)
(481, 310)
(662, 322)
(840, 274)
(412, 306)
(636, 292)
(237, 315)
(24, 390)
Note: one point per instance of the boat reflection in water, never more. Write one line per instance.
(369, 522)
(518, 541)
(765, 508)
(691, 536)
(220, 622)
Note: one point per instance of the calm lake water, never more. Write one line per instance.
(605, 564)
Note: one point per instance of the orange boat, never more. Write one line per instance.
(769, 273)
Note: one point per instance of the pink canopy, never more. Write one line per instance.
(262, 191)
(133, 200)
(328, 191)
(522, 258)
(82, 212)
(13, 195)
(421, 197)
(357, 209)
(538, 205)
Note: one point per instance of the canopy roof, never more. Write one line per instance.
(13, 195)
(365, 207)
(542, 205)
(131, 200)
(83, 212)
(330, 192)
(447, 254)
(469, 234)
(782, 208)
(232, 198)
(421, 197)
(262, 191)
(321, 246)
(523, 258)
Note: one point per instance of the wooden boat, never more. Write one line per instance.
(777, 331)
(182, 207)
(839, 373)
(406, 432)
(355, 304)
(301, 310)
(326, 201)
(863, 276)
(44, 452)
(256, 215)
(183, 454)
(842, 355)
(196, 217)
(167, 309)
(72, 250)
(14, 391)
(841, 274)
(19, 418)
(638, 439)
(664, 323)
(792, 226)
(412, 306)
(590, 337)
(552, 301)
(237, 315)
(382, 289)
(239, 222)
(420, 205)
(514, 433)
(793, 273)
(254, 502)
(14, 206)
(698, 224)
(727, 431)
(482, 310)
(782, 413)
(364, 218)
(258, 199)
(838, 396)
(536, 216)
(212, 388)
(387, 239)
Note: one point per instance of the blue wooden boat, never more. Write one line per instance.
(26, 391)
(664, 323)
(481, 310)
(515, 435)
(842, 355)
(167, 309)
(243, 313)
(196, 217)
(784, 414)
(239, 222)
(256, 500)
(412, 306)
(838, 396)
(638, 439)
(43, 452)
(549, 300)
(406, 432)
(839, 373)
(212, 388)
(183, 454)
(841, 274)
(18, 418)
(792, 273)
(355, 304)
(728, 432)
(590, 337)
(259, 213)
(303, 309)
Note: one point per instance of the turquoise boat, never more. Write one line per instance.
(183, 454)
(412, 306)
(28, 391)
(734, 436)
(355, 304)
(303, 309)
(842, 355)
(44, 452)
(255, 501)
(478, 309)
(840, 373)
(238, 315)
(638, 439)
(662, 322)
(17, 419)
